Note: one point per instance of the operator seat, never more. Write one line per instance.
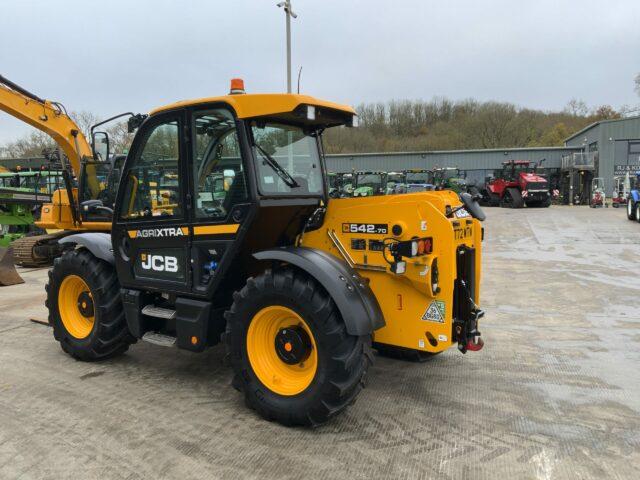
(237, 193)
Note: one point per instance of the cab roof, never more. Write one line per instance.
(249, 105)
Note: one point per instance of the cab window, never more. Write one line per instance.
(152, 184)
(219, 177)
(287, 160)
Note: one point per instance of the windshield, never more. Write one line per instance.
(418, 177)
(288, 162)
(395, 178)
(369, 180)
(522, 168)
(447, 174)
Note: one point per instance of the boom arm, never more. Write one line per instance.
(48, 117)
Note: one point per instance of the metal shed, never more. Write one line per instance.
(477, 163)
(613, 146)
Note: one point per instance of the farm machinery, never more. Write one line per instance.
(419, 180)
(368, 184)
(621, 188)
(300, 287)
(449, 178)
(395, 183)
(517, 184)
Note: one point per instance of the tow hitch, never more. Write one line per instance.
(467, 332)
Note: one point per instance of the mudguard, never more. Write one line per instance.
(99, 244)
(351, 293)
(635, 194)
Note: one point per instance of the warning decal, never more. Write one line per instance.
(435, 312)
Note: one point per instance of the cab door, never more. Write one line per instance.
(222, 204)
(150, 234)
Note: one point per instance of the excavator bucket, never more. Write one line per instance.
(8, 273)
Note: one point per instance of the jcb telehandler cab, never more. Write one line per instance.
(297, 285)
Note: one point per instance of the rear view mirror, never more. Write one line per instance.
(100, 146)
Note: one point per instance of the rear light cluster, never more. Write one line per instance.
(412, 248)
(415, 247)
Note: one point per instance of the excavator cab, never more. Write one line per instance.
(223, 231)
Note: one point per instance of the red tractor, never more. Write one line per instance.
(517, 184)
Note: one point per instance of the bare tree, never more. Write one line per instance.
(577, 108)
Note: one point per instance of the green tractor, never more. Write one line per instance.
(418, 180)
(334, 180)
(396, 183)
(449, 178)
(347, 182)
(21, 195)
(368, 184)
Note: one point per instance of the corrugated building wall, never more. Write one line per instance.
(617, 143)
(477, 163)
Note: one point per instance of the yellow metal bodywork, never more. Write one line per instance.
(57, 215)
(259, 104)
(277, 376)
(78, 325)
(404, 299)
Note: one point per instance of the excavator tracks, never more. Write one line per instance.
(37, 250)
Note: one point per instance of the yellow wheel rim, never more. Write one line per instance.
(75, 304)
(278, 376)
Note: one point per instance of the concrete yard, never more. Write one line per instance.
(554, 394)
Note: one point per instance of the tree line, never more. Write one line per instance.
(443, 124)
(405, 125)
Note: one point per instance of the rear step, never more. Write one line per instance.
(159, 339)
(158, 312)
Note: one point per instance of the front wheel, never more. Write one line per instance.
(85, 309)
(637, 214)
(291, 354)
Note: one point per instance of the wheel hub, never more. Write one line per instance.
(293, 345)
(85, 304)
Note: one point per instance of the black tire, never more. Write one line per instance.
(512, 199)
(109, 336)
(631, 209)
(400, 353)
(343, 359)
(637, 214)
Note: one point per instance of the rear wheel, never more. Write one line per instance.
(85, 309)
(637, 214)
(631, 209)
(291, 354)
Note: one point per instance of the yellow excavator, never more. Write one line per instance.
(89, 182)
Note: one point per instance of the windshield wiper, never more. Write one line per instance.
(276, 167)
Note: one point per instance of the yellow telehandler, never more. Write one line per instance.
(299, 287)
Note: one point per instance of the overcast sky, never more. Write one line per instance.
(120, 55)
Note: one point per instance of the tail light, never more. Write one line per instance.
(415, 247)
(412, 248)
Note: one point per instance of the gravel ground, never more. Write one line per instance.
(555, 393)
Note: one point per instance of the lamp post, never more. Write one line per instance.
(288, 13)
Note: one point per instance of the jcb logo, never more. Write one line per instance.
(159, 263)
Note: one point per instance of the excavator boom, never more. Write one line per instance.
(49, 117)
(62, 214)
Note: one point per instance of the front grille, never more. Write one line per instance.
(536, 186)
